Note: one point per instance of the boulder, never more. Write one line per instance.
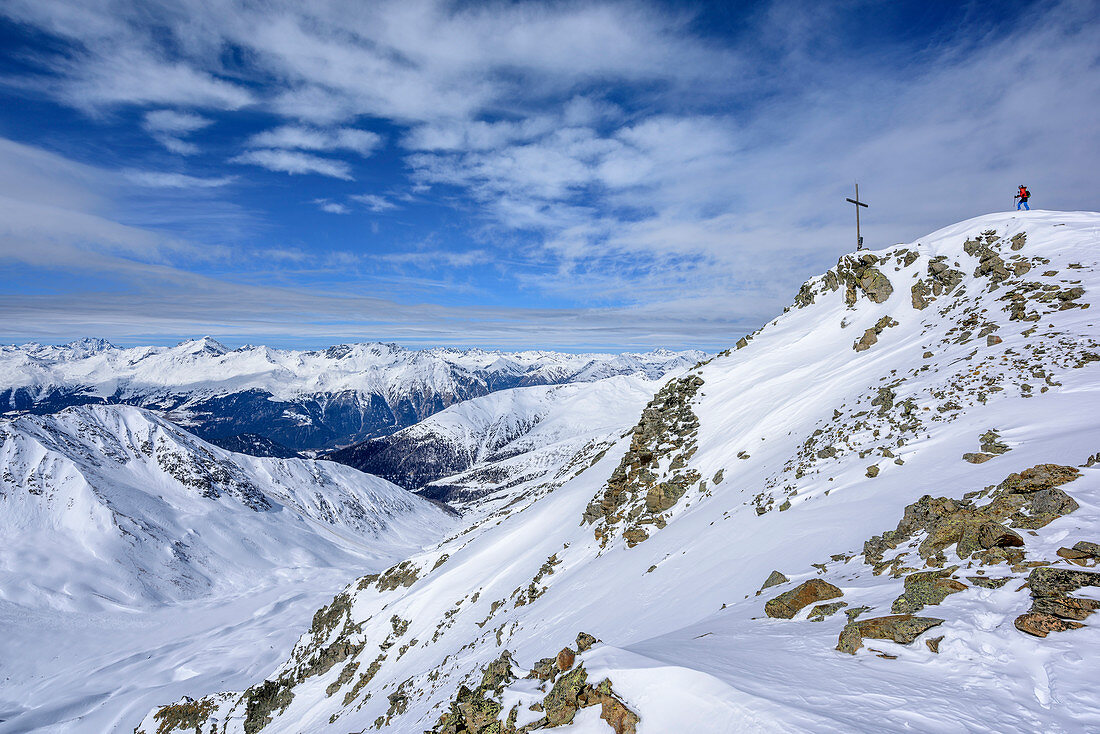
(565, 659)
(1040, 625)
(987, 582)
(995, 535)
(901, 628)
(1041, 476)
(927, 587)
(977, 458)
(561, 703)
(1067, 607)
(789, 603)
(1050, 581)
(585, 641)
(821, 611)
(774, 579)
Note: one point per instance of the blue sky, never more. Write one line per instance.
(566, 175)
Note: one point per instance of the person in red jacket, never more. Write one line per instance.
(1023, 196)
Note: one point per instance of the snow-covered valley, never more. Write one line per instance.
(137, 557)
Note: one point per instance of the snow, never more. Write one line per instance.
(684, 639)
(206, 366)
(529, 431)
(140, 561)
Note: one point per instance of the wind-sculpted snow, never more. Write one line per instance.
(947, 467)
(301, 400)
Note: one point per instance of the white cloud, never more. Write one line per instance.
(374, 202)
(175, 122)
(167, 180)
(722, 173)
(363, 142)
(293, 162)
(169, 127)
(332, 207)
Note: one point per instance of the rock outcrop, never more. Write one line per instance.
(901, 628)
(789, 603)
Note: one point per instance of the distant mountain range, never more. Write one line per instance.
(137, 511)
(273, 402)
(476, 447)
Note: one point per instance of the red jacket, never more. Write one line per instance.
(1024, 194)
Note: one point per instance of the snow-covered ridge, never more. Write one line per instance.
(479, 444)
(298, 399)
(948, 367)
(111, 505)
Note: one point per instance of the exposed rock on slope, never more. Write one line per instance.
(772, 443)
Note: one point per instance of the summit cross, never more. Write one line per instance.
(858, 203)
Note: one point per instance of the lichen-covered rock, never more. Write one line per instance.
(561, 705)
(264, 700)
(987, 582)
(822, 611)
(1029, 499)
(1067, 607)
(1040, 625)
(640, 491)
(565, 659)
(187, 714)
(995, 535)
(870, 337)
(927, 587)
(789, 603)
(774, 579)
(901, 628)
(976, 458)
(1042, 476)
(1050, 581)
(585, 641)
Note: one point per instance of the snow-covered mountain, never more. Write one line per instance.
(473, 447)
(902, 465)
(293, 400)
(111, 505)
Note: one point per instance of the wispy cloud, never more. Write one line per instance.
(293, 162)
(170, 127)
(168, 180)
(332, 207)
(374, 202)
(363, 142)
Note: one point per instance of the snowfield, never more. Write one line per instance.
(790, 453)
(130, 546)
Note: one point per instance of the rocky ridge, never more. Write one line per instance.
(793, 452)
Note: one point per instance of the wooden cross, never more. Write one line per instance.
(858, 203)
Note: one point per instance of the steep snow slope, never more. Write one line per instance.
(795, 452)
(110, 505)
(482, 443)
(299, 400)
